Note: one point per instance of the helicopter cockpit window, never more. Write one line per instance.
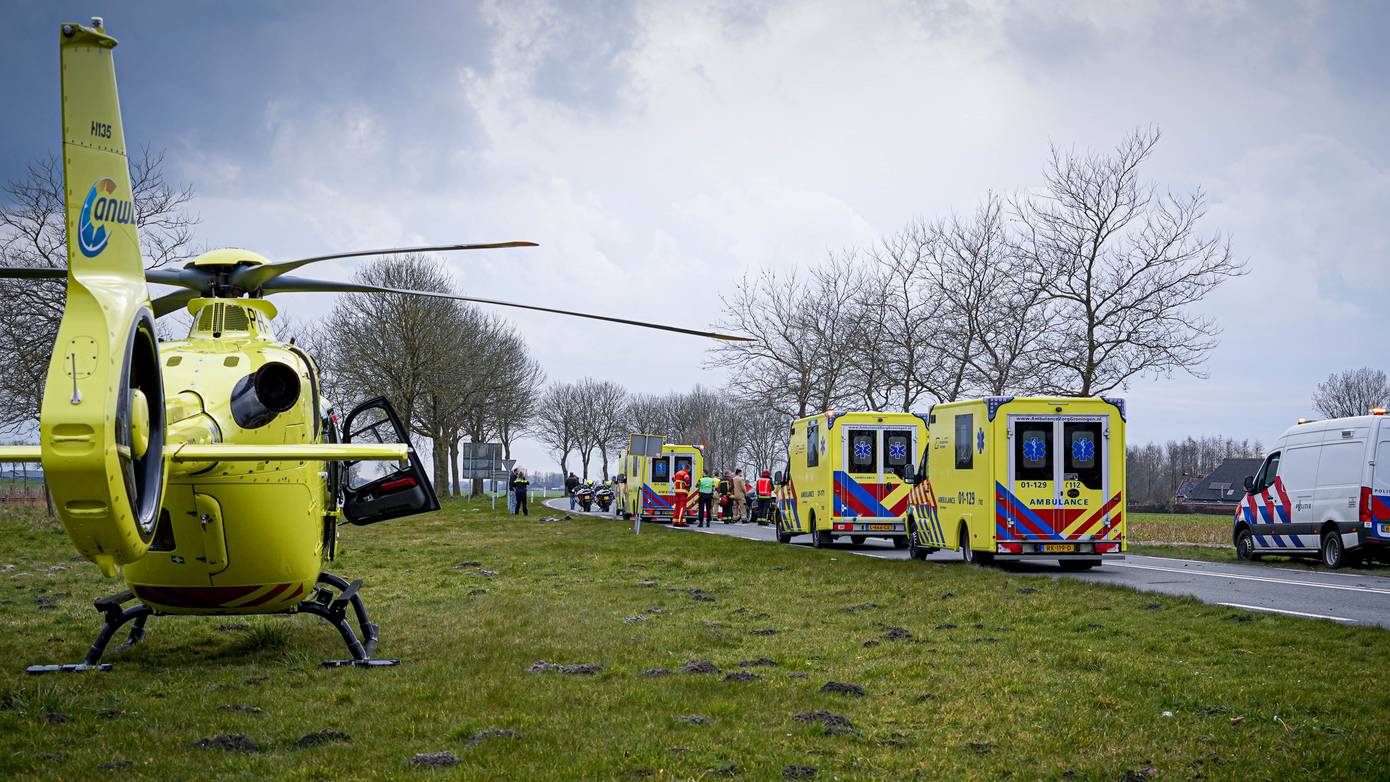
(372, 426)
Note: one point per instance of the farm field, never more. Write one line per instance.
(575, 650)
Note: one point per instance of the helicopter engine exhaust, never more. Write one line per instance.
(264, 394)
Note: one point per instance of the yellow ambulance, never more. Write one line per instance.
(649, 490)
(1023, 478)
(844, 477)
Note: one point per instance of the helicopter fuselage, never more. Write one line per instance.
(237, 537)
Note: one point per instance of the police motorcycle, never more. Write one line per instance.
(603, 495)
(584, 494)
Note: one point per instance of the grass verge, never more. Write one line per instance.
(966, 673)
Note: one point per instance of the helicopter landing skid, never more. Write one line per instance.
(330, 601)
(116, 617)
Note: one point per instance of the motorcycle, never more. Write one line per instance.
(603, 495)
(585, 496)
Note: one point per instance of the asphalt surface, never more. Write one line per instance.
(1348, 598)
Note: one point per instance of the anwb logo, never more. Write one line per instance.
(99, 208)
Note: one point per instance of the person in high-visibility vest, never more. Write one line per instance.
(705, 509)
(519, 488)
(764, 494)
(680, 483)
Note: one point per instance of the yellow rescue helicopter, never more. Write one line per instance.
(210, 473)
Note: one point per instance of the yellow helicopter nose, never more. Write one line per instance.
(139, 423)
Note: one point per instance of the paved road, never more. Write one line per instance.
(1352, 598)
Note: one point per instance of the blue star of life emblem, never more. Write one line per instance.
(1035, 449)
(862, 450)
(1083, 450)
(980, 440)
(897, 450)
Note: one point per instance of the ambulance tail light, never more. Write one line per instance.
(1106, 548)
(840, 527)
(1009, 548)
(1365, 506)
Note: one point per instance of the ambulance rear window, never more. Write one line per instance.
(1084, 458)
(897, 448)
(686, 463)
(1033, 451)
(661, 469)
(863, 450)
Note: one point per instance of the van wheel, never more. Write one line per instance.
(1245, 545)
(819, 539)
(970, 555)
(899, 543)
(782, 535)
(1077, 564)
(857, 540)
(1334, 554)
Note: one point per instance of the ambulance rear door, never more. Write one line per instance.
(1059, 479)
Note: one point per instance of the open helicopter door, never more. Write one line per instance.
(375, 490)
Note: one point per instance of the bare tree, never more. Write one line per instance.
(647, 414)
(1353, 392)
(1121, 266)
(557, 422)
(897, 312)
(33, 232)
(802, 329)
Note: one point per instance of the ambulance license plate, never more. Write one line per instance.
(880, 527)
(1058, 548)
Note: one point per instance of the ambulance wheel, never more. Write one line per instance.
(857, 540)
(819, 539)
(1077, 564)
(1245, 545)
(970, 555)
(914, 550)
(782, 535)
(899, 543)
(1334, 554)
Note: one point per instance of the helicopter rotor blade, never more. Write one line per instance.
(173, 302)
(33, 273)
(253, 278)
(304, 285)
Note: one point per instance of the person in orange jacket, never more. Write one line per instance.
(680, 482)
(764, 492)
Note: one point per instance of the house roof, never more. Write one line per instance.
(1225, 484)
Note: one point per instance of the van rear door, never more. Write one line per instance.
(1059, 473)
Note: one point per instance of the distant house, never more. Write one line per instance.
(1219, 492)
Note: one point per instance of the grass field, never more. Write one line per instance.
(966, 673)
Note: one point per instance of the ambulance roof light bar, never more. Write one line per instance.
(1377, 411)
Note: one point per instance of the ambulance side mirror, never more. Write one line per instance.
(1249, 484)
(908, 475)
(778, 478)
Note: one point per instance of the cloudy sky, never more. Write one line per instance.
(657, 150)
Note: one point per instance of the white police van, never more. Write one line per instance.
(1324, 489)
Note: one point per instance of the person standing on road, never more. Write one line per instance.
(740, 496)
(764, 492)
(519, 488)
(680, 485)
(571, 483)
(705, 486)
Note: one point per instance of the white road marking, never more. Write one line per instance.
(1286, 611)
(1264, 579)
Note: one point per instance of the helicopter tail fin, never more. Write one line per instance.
(101, 427)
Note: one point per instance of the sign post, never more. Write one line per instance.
(507, 465)
(643, 446)
(480, 461)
